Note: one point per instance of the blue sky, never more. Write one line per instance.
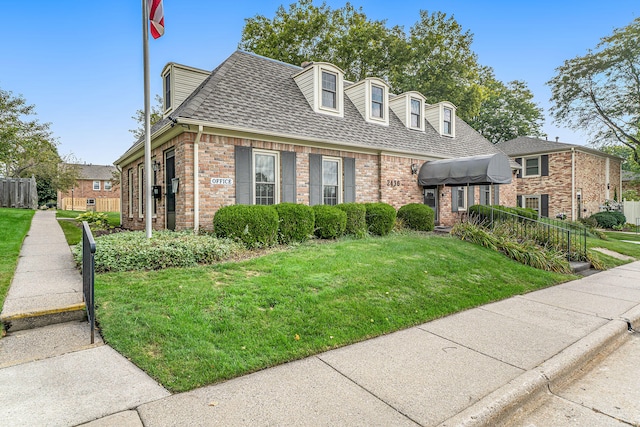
(80, 62)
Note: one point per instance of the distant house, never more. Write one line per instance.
(631, 181)
(259, 131)
(563, 179)
(94, 190)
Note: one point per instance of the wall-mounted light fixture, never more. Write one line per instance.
(414, 168)
(156, 166)
(608, 186)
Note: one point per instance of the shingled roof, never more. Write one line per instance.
(526, 145)
(95, 172)
(259, 95)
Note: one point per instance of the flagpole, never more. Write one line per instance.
(148, 171)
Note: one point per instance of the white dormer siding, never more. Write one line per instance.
(442, 116)
(322, 85)
(178, 82)
(409, 107)
(371, 98)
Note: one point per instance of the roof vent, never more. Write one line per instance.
(557, 138)
(305, 64)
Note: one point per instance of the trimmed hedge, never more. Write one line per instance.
(254, 225)
(356, 219)
(381, 217)
(417, 216)
(295, 223)
(608, 219)
(330, 221)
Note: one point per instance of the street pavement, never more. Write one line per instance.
(500, 364)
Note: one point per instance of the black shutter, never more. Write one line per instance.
(544, 205)
(519, 161)
(496, 194)
(470, 195)
(454, 199)
(349, 165)
(244, 186)
(288, 159)
(519, 200)
(315, 179)
(544, 167)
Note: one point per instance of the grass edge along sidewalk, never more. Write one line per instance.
(14, 226)
(196, 326)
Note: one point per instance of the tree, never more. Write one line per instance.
(155, 115)
(435, 58)
(600, 91)
(507, 110)
(628, 162)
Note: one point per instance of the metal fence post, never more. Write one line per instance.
(88, 266)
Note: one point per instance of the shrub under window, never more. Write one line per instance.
(254, 225)
(381, 218)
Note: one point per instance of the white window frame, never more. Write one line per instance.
(420, 116)
(276, 156)
(383, 103)
(166, 92)
(336, 107)
(141, 190)
(524, 166)
(130, 188)
(107, 185)
(340, 190)
(444, 121)
(532, 197)
(96, 184)
(464, 206)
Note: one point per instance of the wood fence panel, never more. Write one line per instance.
(80, 204)
(18, 193)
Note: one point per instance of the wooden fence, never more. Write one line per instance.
(82, 204)
(18, 193)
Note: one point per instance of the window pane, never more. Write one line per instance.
(447, 121)
(461, 198)
(265, 168)
(329, 86)
(330, 195)
(328, 99)
(329, 172)
(447, 115)
(531, 167)
(377, 93)
(265, 194)
(532, 203)
(376, 109)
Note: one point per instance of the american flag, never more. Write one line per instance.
(156, 16)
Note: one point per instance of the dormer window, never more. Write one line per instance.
(377, 102)
(167, 91)
(329, 89)
(447, 128)
(416, 113)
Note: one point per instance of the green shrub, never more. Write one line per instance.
(417, 216)
(484, 212)
(330, 221)
(295, 222)
(254, 225)
(131, 250)
(608, 219)
(356, 219)
(97, 220)
(381, 218)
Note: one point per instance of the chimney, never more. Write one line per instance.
(557, 138)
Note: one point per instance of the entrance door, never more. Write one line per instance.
(170, 200)
(431, 200)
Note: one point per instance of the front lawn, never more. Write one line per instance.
(72, 229)
(615, 243)
(195, 326)
(14, 226)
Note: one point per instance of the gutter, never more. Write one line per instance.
(119, 169)
(196, 184)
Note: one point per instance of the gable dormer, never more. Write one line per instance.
(442, 116)
(322, 85)
(409, 107)
(371, 98)
(178, 82)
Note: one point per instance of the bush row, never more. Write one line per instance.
(608, 219)
(260, 226)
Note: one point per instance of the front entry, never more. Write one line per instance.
(170, 196)
(431, 200)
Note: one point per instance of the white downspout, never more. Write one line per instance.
(119, 169)
(196, 189)
(574, 216)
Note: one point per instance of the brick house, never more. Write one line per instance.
(259, 131)
(93, 190)
(558, 178)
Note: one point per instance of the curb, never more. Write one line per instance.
(37, 319)
(499, 406)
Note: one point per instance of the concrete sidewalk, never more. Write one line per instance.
(473, 368)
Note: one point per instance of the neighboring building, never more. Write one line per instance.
(259, 131)
(631, 181)
(93, 190)
(558, 178)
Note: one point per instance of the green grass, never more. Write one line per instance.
(195, 326)
(14, 225)
(72, 232)
(616, 244)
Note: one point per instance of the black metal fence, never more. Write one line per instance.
(569, 238)
(88, 253)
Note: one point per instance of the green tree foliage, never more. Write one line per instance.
(434, 58)
(600, 91)
(27, 147)
(507, 110)
(628, 164)
(155, 115)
